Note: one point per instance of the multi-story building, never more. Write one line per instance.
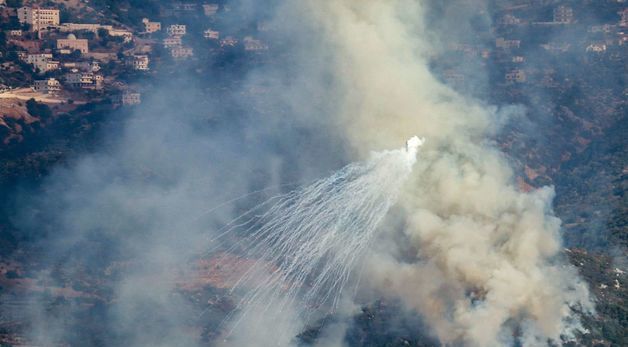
(37, 58)
(176, 30)
(170, 42)
(228, 41)
(563, 14)
(211, 34)
(38, 18)
(47, 86)
(506, 44)
(453, 77)
(78, 79)
(42, 62)
(85, 80)
(251, 44)
(623, 22)
(151, 27)
(73, 44)
(140, 62)
(515, 76)
(89, 66)
(131, 98)
(181, 52)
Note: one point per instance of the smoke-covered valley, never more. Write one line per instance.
(136, 237)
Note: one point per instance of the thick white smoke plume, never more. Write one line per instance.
(487, 254)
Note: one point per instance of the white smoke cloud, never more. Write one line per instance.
(489, 254)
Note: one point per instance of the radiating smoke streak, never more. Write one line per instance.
(307, 242)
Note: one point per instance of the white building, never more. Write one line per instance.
(251, 44)
(211, 34)
(563, 14)
(228, 41)
(42, 62)
(47, 86)
(184, 7)
(170, 42)
(151, 27)
(556, 47)
(596, 48)
(181, 52)
(509, 19)
(38, 18)
(210, 9)
(38, 58)
(131, 98)
(503, 43)
(126, 34)
(515, 76)
(605, 28)
(85, 80)
(176, 30)
(69, 27)
(623, 22)
(87, 66)
(73, 44)
(140, 62)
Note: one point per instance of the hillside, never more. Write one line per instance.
(557, 85)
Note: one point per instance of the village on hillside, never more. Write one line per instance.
(57, 54)
(62, 59)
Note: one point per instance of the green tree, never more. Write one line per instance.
(76, 54)
(38, 109)
(3, 41)
(14, 3)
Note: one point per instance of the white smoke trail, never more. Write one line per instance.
(306, 245)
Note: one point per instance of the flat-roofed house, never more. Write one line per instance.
(47, 86)
(73, 44)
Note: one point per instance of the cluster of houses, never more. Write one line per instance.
(560, 15)
(57, 47)
(174, 42)
(81, 71)
(507, 50)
